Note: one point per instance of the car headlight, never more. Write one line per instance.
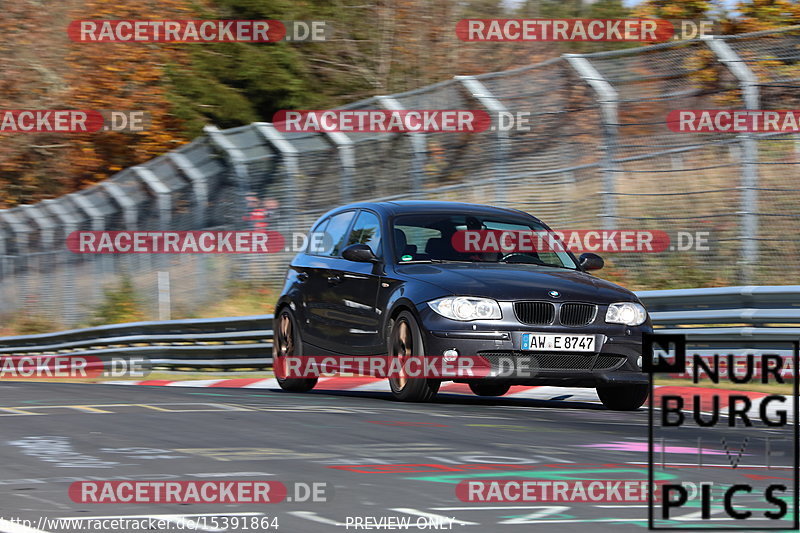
(466, 308)
(628, 313)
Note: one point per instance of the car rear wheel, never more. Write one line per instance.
(404, 343)
(489, 388)
(623, 397)
(286, 343)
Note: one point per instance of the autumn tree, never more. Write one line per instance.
(43, 69)
(376, 47)
(757, 15)
(684, 9)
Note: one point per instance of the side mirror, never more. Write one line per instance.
(359, 253)
(590, 261)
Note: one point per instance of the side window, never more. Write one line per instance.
(366, 230)
(320, 226)
(417, 239)
(336, 229)
(315, 242)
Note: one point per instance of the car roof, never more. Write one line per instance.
(403, 207)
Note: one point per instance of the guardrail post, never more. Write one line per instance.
(748, 232)
(131, 218)
(797, 146)
(98, 224)
(199, 186)
(200, 192)
(94, 214)
(46, 287)
(236, 160)
(45, 225)
(163, 198)
(162, 194)
(5, 275)
(128, 206)
(608, 99)
(69, 224)
(289, 154)
(289, 209)
(164, 295)
(419, 146)
(3, 268)
(502, 145)
(21, 232)
(347, 158)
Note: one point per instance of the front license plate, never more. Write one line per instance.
(549, 342)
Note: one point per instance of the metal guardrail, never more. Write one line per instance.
(240, 342)
(737, 315)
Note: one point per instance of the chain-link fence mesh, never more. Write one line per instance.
(597, 154)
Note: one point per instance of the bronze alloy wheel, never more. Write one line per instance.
(285, 344)
(402, 345)
(404, 342)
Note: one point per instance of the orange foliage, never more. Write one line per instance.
(122, 76)
(40, 68)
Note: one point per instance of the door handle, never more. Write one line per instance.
(333, 279)
(302, 276)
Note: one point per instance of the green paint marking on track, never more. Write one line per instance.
(294, 397)
(543, 474)
(315, 397)
(556, 516)
(211, 394)
(641, 523)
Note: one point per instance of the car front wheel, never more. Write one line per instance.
(623, 397)
(403, 344)
(286, 343)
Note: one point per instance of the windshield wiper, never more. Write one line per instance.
(436, 261)
(548, 265)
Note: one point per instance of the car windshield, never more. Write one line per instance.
(476, 238)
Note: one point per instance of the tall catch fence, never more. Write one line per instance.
(597, 154)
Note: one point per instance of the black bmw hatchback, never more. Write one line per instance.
(390, 279)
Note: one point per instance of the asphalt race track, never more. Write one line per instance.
(352, 442)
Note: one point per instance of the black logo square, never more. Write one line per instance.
(654, 345)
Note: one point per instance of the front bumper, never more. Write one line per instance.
(614, 362)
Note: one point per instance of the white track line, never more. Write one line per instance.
(196, 383)
(157, 516)
(270, 383)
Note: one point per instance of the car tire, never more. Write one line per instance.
(286, 342)
(405, 341)
(623, 397)
(489, 388)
